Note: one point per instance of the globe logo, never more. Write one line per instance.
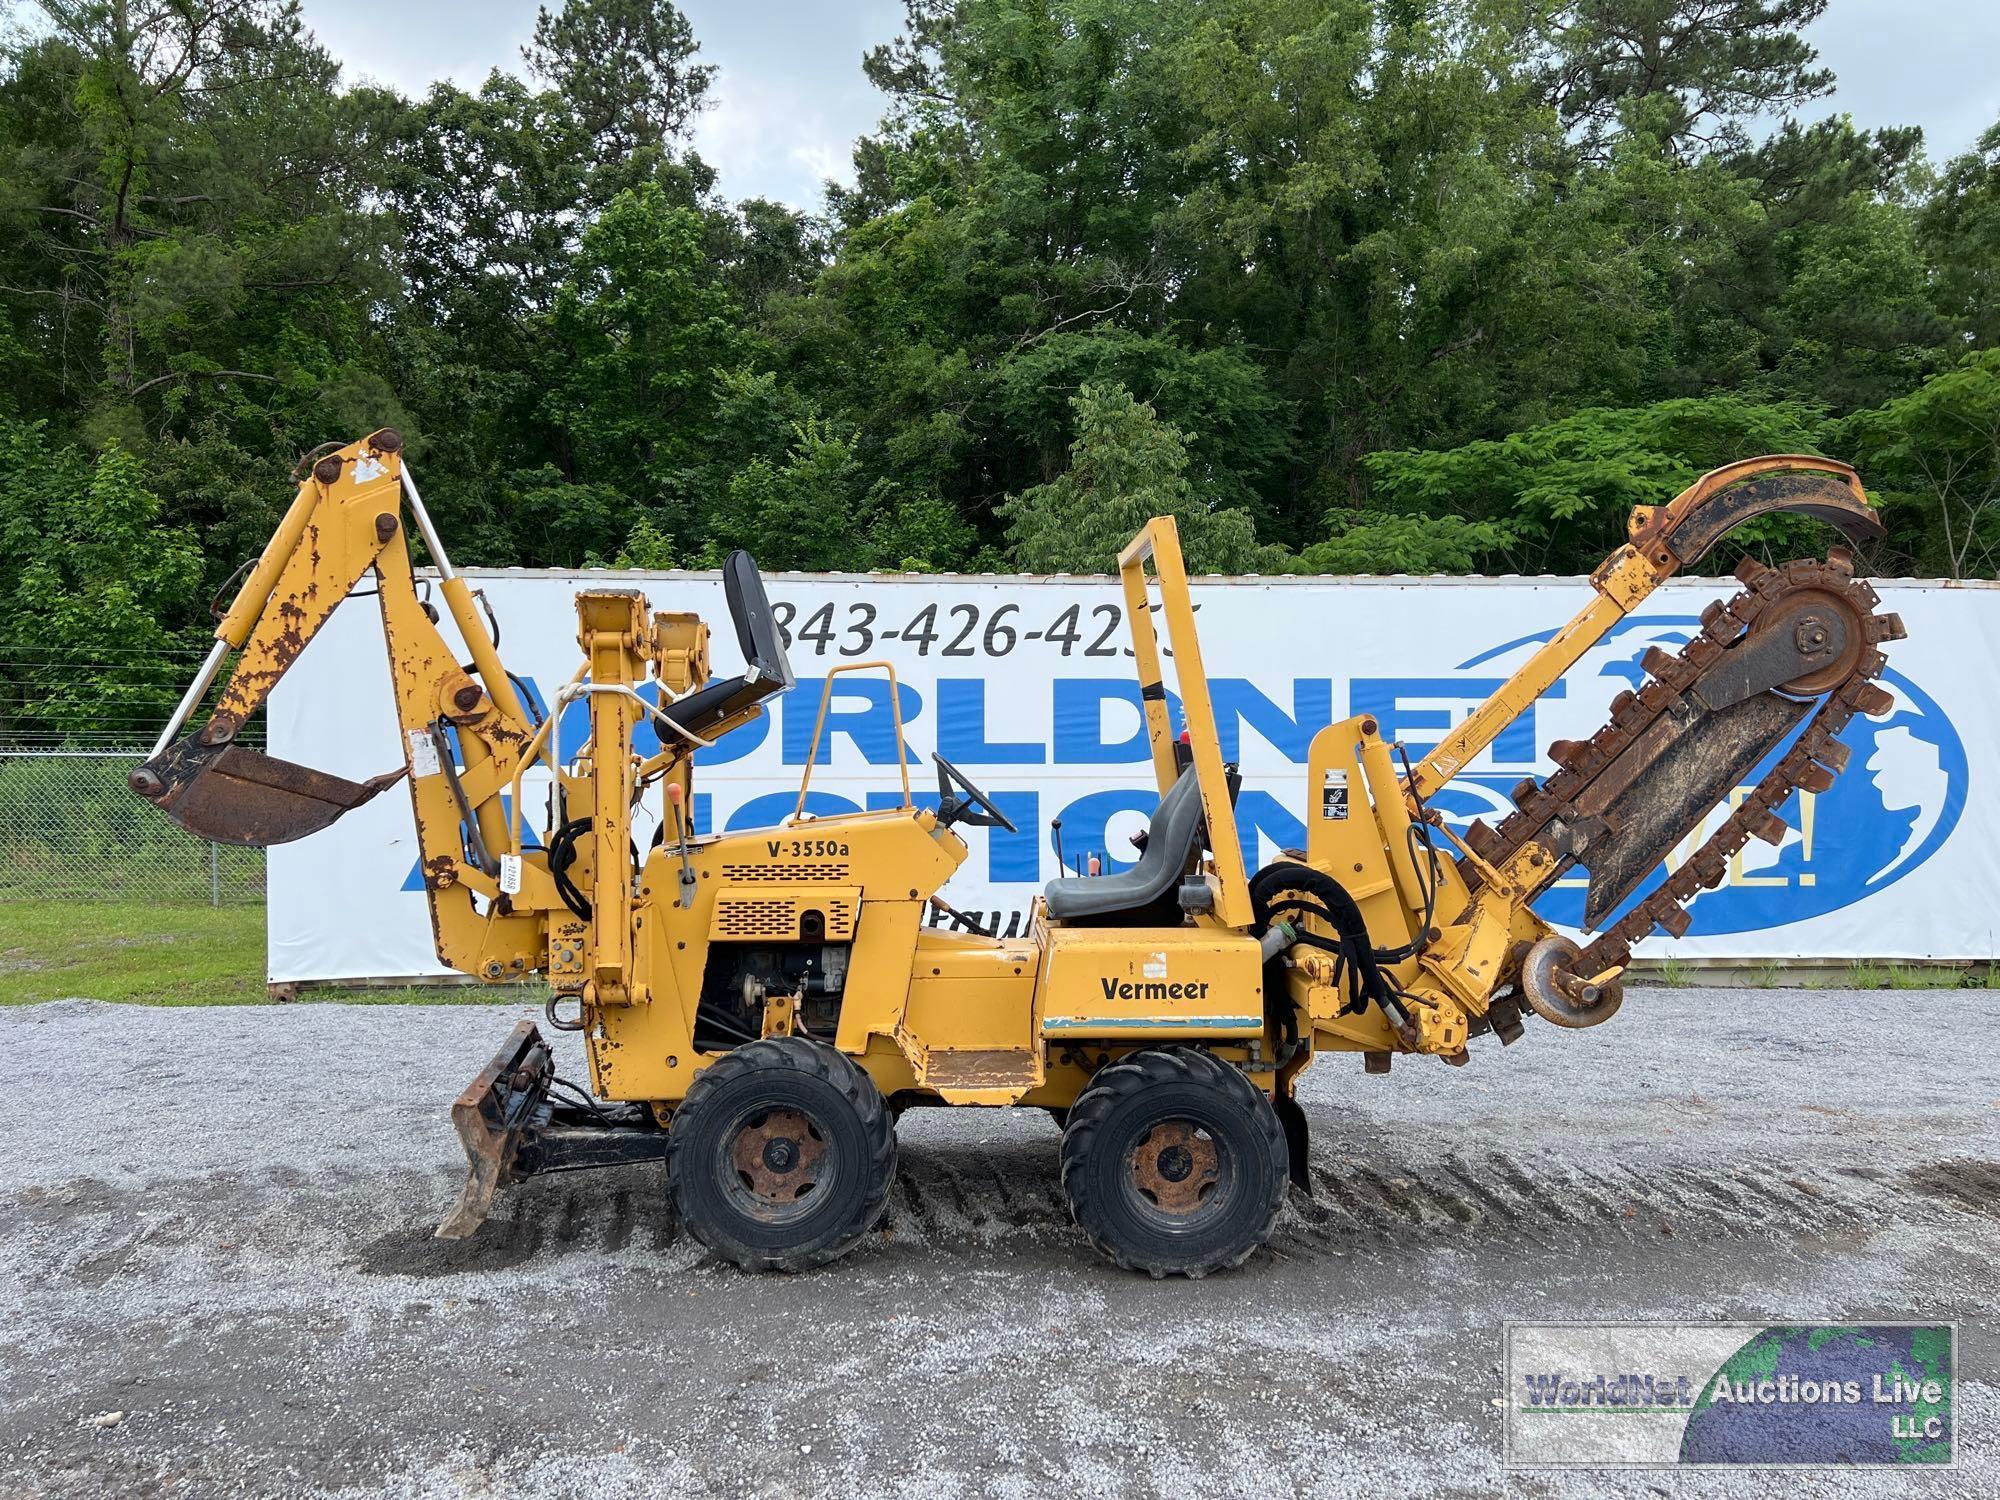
(1891, 809)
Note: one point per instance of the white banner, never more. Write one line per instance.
(1027, 685)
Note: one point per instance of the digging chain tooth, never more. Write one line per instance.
(1568, 753)
(1483, 841)
(1841, 560)
(1833, 754)
(1720, 623)
(1676, 920)
(1769, 827)
(1872, 700)
(1625, 699)
(1526, 791)
(1700, 654)
(1750, 572)
(1663, 666)
(1802, 771)
(1886, 628)
(1654, 698)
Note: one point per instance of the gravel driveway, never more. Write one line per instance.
(217, 1274)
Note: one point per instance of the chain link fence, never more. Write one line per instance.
(71, 829)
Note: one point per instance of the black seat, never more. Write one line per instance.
(1147, 894)
(767, 669)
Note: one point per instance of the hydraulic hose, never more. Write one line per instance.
(1360, 963)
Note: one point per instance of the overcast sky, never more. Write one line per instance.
(791, 97)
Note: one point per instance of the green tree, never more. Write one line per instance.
(640, 330)
(804, 511)
(94, 589)
(627, 67)
(1711, 63)
(1961, 239)
(1416, 284)
(1861, 320)
(817, 508)
(1560, 492)
(1932, 460)
(1126, 466)
(191, 227)
(1369, 542)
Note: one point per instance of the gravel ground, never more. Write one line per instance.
(217, 1224)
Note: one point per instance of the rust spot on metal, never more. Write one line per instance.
(977, 1068)
(777, 1159)
(489, 1118)
(386, 440)
(327, 470)
(466, 699)
(1175, 1166)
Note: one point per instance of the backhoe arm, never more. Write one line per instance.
(345, 521)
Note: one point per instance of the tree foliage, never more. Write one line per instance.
(1344, 285)
(1126, 466)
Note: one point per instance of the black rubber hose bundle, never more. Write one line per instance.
(1321, 896)
(562, 854)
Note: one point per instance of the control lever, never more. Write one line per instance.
(674, 795)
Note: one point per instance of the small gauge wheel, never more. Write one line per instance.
(1561, 996)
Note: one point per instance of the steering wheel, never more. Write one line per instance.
(974, 808)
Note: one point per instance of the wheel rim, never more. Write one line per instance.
(774, 1162)
(1174, 1173)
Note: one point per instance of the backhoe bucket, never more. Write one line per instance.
(231, 795)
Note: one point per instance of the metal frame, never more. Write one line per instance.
(1160, 543)
(819, 724)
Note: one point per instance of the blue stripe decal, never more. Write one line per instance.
(1150, 1023)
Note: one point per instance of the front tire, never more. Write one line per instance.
(1174, 1163)
(782, 1155)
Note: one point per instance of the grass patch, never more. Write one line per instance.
(1927, 977)
(1893, 976)
(149, 953)
(134, 951)
(1674, 974)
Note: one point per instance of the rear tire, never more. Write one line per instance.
(1174, 1163)
(782, 1155)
